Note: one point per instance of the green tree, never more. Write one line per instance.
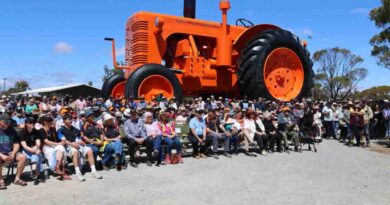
(90, 83)
(338, 72)
(108, 72)
(19, 86)
(381, 41)
(374, 93)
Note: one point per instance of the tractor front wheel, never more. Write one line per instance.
(151, 80)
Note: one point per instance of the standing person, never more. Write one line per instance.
(112, 136)
(337, 115)
(167, 130)
(198, 137)
(53, 148)
(31, 144)
(368, 115)
(357, 123)
(317, 122)
(344, 121)
(76, 148)
(9, 150)
(386, 118)
(327, 112)
(135, 132)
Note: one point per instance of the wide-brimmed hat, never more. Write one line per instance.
(127, 112)
(199, 110)
(107, 117)
(229, 121)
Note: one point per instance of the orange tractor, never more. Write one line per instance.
(184, 56)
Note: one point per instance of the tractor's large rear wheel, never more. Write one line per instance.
(275, 65)
(114, 86)
(151, 80)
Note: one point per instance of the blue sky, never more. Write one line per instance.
(48, 42)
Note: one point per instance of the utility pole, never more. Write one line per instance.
(5, 79)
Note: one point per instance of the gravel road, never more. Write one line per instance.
(335, 175)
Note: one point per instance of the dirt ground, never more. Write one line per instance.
(336, 174)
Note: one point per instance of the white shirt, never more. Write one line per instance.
(328, 113)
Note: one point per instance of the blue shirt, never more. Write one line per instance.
(19, 120)
(197, 125)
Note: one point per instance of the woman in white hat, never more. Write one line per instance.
(112, 136)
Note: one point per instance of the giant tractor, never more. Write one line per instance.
(185, 56)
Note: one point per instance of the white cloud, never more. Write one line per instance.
(63, 47)
(362, 11)
(120, 51)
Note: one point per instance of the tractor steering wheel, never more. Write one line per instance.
(244, 22)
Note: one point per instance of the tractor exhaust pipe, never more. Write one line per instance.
(115, 64)
(189, 9)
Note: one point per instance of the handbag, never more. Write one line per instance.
(174, 159)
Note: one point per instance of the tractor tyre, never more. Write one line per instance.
(151, 80)
(275, 65)
(114, 86)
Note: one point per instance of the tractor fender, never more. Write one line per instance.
(251, 32)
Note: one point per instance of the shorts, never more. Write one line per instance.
(82, 150)
(33, 157)
(50, 154)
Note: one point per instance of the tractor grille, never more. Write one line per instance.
(137, 43)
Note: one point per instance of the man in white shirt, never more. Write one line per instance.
(328, 120)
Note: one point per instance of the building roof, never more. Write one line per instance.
(51, 89)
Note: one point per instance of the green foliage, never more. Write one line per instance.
(90, 83)
(338, 73)
(380, 42)
(374, 93)
(108, 72)
(19, 86)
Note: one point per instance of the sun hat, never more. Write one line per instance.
(126, 113)
(229, 121)
(107, 117)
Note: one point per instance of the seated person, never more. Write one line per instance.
(232, 129)
(216, 131)
(153, 132)
(167, 129)
(9, 147)
(53, 148)
(111, 135)
(94, 139)
(270, 130)
(31, 143)
(135, 132)
(287, 128)
(76, 148)
(198, 137)
(260, 136)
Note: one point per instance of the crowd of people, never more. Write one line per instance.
(101, 132)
